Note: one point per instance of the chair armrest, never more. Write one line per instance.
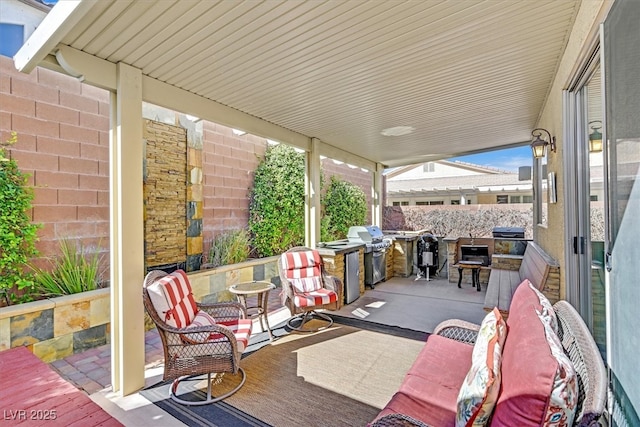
(397, 420)
(458, 330)
(203, 333)
(579, 346)
(332, 283)
(176, 340)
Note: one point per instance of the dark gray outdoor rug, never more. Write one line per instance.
(341, 376)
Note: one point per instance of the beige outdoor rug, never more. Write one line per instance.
(342, 376)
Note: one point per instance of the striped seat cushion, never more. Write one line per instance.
(173, 300)
(314, 298)
(218, 343)
(303, 270)
(241, 330)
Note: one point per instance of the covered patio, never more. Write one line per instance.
(372, 84)
(410, 305)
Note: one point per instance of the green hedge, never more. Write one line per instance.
(276, 203)
(276, 207)
(344, 205)
(17, 233)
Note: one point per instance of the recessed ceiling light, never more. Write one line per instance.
(397, 131)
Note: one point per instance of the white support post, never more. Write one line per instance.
(376, 196)
(312, 176)
(127, 232)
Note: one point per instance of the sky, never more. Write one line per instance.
(510, 159)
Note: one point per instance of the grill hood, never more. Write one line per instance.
(365, 234)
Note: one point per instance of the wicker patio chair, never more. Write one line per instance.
(306, 287)
(197, 349)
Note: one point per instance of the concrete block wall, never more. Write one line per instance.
(228, 162)
(63, 143)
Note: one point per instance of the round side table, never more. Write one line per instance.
(261, 290)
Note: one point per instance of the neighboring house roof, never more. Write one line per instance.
(392, 173)
(487, 182)
(44, 6)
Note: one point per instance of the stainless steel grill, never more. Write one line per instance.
(512, 232)
(374, 253)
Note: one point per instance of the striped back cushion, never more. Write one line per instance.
(302, 269)
(173, 300)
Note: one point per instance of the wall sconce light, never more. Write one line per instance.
(595, 137)
(539, 145)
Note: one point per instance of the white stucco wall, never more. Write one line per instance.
(17, 12)
(584, 32)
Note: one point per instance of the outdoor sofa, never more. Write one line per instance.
(541, 367)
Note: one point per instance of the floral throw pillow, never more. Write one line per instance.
(548, 313)
(479, 391)
(563, 400)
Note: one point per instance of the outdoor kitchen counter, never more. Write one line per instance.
(404, 235)
(339, 247)
(334, 259)
(404, 243)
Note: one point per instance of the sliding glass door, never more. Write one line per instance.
(621, 57)
(585, 220)
(602, 195)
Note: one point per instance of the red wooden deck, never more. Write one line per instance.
(32, 394)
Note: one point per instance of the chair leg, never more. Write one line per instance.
(210, 398)
(297, 323)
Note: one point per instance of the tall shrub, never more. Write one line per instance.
(17, 233)
(345, 204)
(276, 206)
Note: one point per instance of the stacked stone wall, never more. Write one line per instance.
(165, 194)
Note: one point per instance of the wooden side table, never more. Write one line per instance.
(475, 267)
(261, 290)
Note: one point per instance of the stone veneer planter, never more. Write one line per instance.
(212, 285)
(56, 328)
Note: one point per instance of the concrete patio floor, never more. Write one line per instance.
(405, 302)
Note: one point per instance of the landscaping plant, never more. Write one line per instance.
(73, 271)
(229, 247)
(17, 233)
(344, 205)
(276, 201)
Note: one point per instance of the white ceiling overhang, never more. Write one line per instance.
(466, 75)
